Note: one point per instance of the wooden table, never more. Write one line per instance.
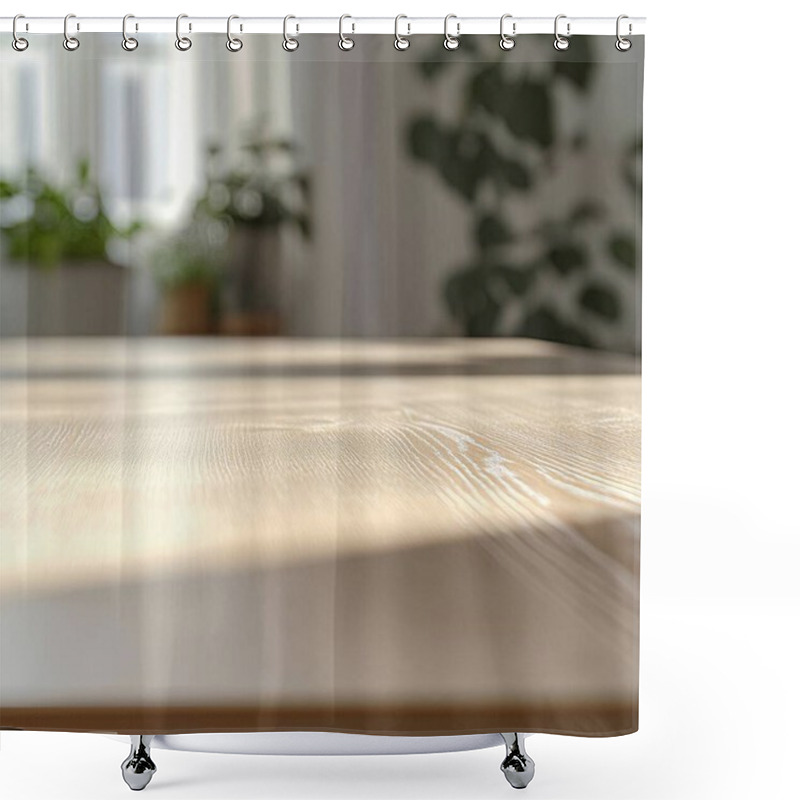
(395, 537)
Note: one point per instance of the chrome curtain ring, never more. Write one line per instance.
(233, 44)
(622, 44)
(183, 43)
(451, 42)
(507, 42)
(401, 42)
(290, 43)
(18, 43)
(345, 42)
(561, 42)
(70, 43)
(128, 42)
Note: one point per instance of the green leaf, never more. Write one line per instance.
(470, 301)
(622, 249)
(462, 157)
(54, 232)
(283, 145)
(566, 258)
(8, 189)
(83, 171)
(488, 89)
(303, 223)
(545, 323)
(303, 181)
(524, 105)
(600, 300)
(586, 211)
(515, 175)
(425, 139)
(491, 231)
(517, 279)
(528, 113)
(135, 227)
(484, 321)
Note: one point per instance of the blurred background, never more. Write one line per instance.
(370, 193)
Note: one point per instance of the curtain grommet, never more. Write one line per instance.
(346, 44)
(182, 43)
(70, 43)
(561, 42)
(19, 43)
(507, 40)
(233, 44)
(401, 43)
(622, 44)
(290, 43)
(451, 42)
(129, 43)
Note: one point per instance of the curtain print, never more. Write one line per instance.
(320, 386)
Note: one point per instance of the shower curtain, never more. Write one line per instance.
(319, 385)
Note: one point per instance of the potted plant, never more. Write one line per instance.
(187, 268)
(57, 277)
(254, 197)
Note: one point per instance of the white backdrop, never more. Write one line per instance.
(721, 533)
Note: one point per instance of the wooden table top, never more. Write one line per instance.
(121, 458)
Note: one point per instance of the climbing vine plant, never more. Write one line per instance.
(506, 142)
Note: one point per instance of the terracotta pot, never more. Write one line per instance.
(263, 323)
(186, 310)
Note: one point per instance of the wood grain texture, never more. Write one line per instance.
(123, 457)
(415, 537)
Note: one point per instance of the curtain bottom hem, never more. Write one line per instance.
(589, 720)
